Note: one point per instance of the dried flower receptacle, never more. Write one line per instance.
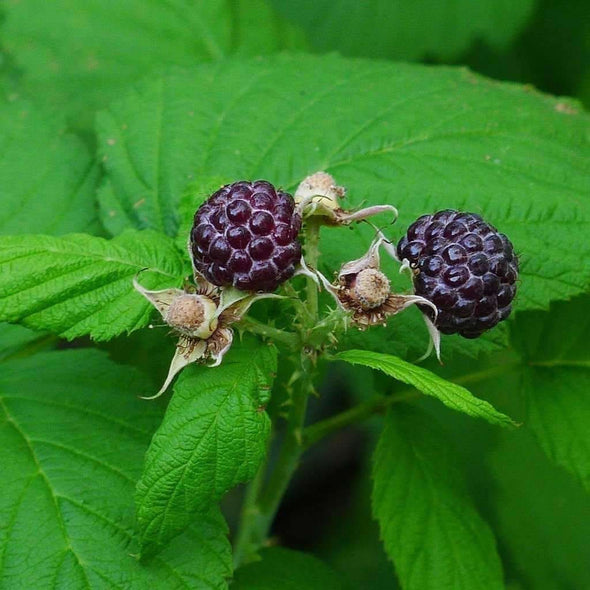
(202, 319)
(319, 195)
(363, 290)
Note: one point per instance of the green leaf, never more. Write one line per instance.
(73, 434)
(47, 176)
(212, 438)
(406, 30)
(555, 380)
(450, 394)
(286, 569)
(80, 55)
(430, 528)
(541, 515)
(79, 284)
(419, 138)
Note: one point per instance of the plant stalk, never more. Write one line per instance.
(262, 501)
(256, 327)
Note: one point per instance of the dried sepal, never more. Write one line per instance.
(188, 351)
(218, 345)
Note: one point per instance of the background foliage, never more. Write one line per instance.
(109, 110)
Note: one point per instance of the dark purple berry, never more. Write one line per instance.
(245, 235)
(465, 267)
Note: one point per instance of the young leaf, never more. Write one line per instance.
(47, 176)
(406, 30)
(419, 138)
(212, 438)
(79, 284)
(73, 434)
(80, 55)
(555, 380)
(450, 394)
(430, 528)
(288, 570)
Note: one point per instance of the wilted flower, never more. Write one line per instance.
(362, 289)
(202, 317)
(318, 195)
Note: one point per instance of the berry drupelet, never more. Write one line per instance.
(465, 267)
(245, 236)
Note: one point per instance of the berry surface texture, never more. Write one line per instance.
(465, 267)
(245, 236)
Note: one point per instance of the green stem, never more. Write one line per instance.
(291, 448)
(267, 331)
(261, 503)
(312, 238)
(314, 433)
(249, 515)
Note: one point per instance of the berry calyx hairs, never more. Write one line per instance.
(245, 244)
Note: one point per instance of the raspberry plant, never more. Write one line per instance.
(138, 240)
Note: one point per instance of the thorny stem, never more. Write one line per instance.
(262, 501)
(252, 325)
(246, 542)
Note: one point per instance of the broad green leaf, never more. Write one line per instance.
(73, 434)
(80, 284)
(555, 380)
(288, 570)
(430, 528)
(450, 394)
(47, 176)
(541, 515)
(420, 138)
(213, 437)
(406, 30)
(79, 55)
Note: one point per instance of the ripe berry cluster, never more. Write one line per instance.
(465, 267)
(245, 235)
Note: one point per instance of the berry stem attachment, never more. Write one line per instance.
(312, 238)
